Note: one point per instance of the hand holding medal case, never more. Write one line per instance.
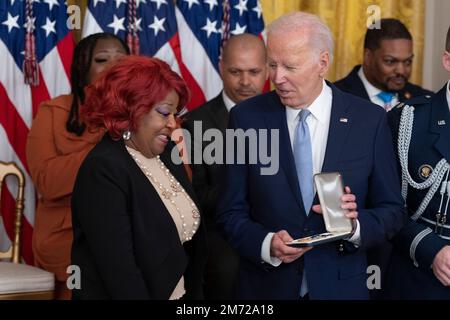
(330, 190)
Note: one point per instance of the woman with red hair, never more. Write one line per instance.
(137, 227)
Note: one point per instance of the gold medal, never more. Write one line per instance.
(425, 171)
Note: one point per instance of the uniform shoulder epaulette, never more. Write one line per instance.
(416, 101)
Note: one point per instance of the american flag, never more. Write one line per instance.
(187, 34)
(204, 27)
(19, 101)
(154, 21)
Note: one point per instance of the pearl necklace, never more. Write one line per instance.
(172, 192)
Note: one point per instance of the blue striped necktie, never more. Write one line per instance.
(304, 166)
(303, 160)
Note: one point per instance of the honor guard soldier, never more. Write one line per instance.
(383, 78)
(420, 264)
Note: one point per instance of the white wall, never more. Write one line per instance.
(437, 21)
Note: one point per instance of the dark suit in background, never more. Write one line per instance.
(353, 84)
(360, 147)
(222, 264)
(125, 241)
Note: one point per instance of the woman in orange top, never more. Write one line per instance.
(57, 144)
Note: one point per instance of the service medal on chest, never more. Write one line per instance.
(425, 171)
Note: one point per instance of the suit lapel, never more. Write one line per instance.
(276, 119)
(340, 123)
(177, 171)
(219, 113)
(440, 123)
(358, 85)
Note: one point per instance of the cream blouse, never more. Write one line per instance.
(179, 204)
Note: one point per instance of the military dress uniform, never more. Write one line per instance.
(421, 129)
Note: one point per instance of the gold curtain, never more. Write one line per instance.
(82, 4)
(347, 20)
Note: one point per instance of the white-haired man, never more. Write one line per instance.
(321, 129)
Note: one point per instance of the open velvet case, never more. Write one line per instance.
(330, 189)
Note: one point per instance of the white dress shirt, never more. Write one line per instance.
(448, 94)
(318, 124)
(229, 104)
(373, 91)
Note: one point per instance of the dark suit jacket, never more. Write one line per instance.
(222, 265)
(430, 143)
(207, 178)
(253, 205)
(125, 241)
(352, 84)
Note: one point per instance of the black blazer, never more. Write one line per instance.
(352, 84)
(206, 179)
(125, 241)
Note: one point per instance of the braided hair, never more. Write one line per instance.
(81, 64)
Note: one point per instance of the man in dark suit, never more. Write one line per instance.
(244, 72)
(319, 129)
(388, 58)
(420, 265)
